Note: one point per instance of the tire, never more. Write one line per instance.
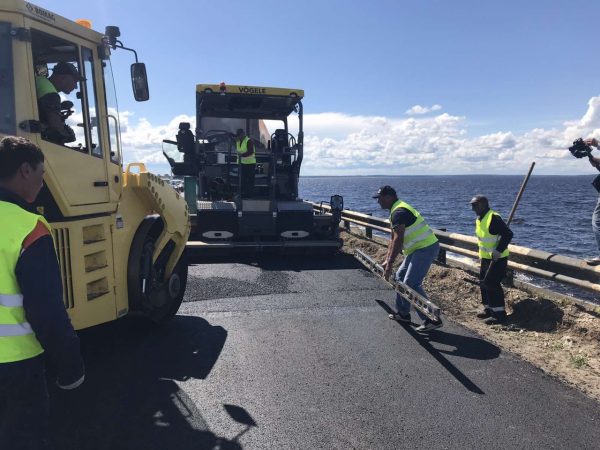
(176, 290)
(157, 298)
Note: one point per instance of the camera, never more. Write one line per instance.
(579, 149)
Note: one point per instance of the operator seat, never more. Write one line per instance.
(279, 141)
(186, 145)
(185, 142)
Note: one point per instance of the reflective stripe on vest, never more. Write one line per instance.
(19, 329)
(44, 86)
(17, 339)
(11, 300)
(418, 235)
(242, 147)
(487, 241)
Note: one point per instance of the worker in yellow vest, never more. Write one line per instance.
(493, 237)
(415, 239)
(247, 155)
(33, 319)
(64, 78)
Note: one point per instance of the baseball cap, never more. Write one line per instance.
(385, 190)
(65, 68)
(479, 198)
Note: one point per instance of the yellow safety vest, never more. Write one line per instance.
(487, 241)
(44, 86)
(17, 339)
(242, 147)
(418, 235)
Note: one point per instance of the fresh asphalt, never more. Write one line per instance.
(296, 353)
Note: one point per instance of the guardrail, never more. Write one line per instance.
(551, 266)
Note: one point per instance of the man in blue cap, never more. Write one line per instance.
(64, 78)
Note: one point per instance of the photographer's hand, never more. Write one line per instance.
(595, 162)
(593, 142)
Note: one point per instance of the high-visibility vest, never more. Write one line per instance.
(44, 86)
(487, 241)
(242, 147)
(17, 339)
(418, 235)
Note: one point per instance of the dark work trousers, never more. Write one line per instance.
(492, 295)
(248, 180)
(24, 405)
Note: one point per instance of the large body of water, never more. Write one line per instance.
(554, 213)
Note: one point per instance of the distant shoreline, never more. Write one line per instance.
(447, 175)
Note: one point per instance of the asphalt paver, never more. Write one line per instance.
(298, 353)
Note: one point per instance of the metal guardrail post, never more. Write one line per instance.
(509, 279)
(347, 225)
(369, 232)
(441, 258)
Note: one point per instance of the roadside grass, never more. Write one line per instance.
(557, 346)
(579, 361)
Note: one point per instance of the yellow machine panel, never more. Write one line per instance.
(249, 90)
(119, 236)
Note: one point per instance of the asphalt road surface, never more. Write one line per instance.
(289, 353)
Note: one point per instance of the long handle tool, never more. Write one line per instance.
(424, 305)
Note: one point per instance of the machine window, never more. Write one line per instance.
(92, 121)
(58, 76)
(7, 91)
(113, 110)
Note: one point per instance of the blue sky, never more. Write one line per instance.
(503, 70)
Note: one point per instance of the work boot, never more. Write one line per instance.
(497, 319)
(429, 325)
(402, 318)
(484, 314)
(593, 261)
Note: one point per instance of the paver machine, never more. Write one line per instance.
(119, 234)
(274, 217)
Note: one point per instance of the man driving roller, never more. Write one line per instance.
(64, 78)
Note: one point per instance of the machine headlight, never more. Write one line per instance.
(337, 202)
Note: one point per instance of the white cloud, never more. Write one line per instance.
(419, 110)
(340, 144)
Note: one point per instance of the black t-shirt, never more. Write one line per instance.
(49, 103)
(402, 216)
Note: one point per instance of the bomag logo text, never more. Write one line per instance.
(47, 15)
(252, 90)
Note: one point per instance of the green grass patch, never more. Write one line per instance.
(557, 346)
(579, 361)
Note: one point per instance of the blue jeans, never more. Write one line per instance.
(596, 223)
(412, 271)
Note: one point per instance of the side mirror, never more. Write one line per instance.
(139, 81)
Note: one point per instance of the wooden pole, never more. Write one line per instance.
(512, 212)
(518, 199)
